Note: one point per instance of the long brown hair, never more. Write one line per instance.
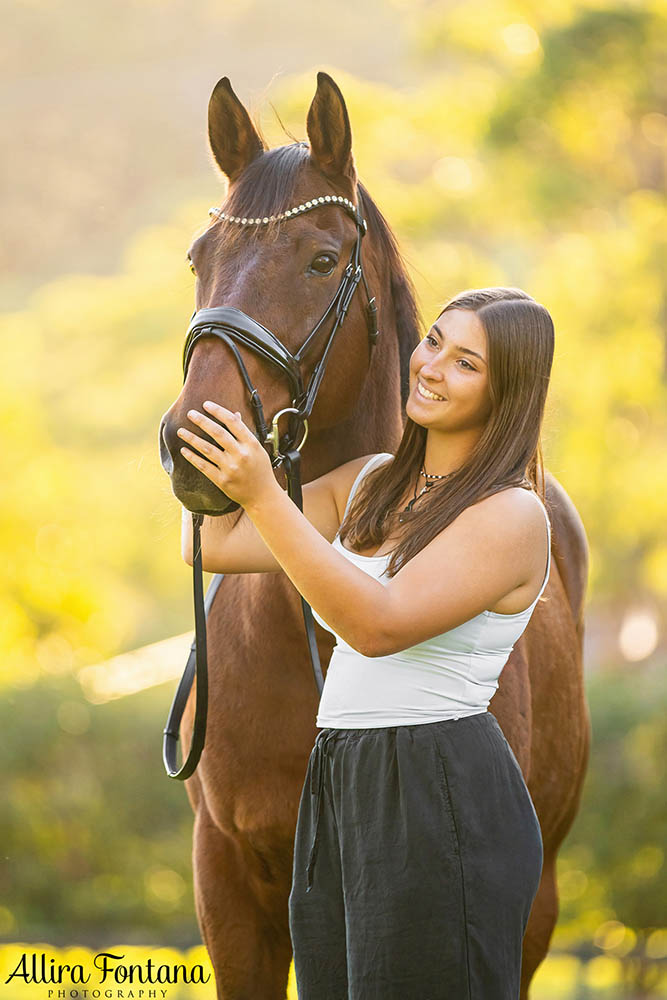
(520, 343)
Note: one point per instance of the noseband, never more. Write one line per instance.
(237, 329)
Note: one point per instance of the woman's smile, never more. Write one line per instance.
(428, 394)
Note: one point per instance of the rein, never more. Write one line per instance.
(234, 328)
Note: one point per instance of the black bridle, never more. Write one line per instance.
(235, 329)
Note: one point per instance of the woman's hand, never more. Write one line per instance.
(240, 466)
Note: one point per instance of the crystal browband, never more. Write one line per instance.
(307, 206)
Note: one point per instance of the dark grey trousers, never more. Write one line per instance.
(417, 857)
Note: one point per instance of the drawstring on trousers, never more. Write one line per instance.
(317, 776)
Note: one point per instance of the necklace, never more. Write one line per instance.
(430, 483)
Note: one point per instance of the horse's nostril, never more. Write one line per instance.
(166, 458)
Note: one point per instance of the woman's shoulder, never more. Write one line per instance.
(516, 506)
(505, 532)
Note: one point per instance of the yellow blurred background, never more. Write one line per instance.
(512, 143)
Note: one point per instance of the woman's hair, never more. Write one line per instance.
(520, 347)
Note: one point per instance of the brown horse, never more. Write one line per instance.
(263, 699)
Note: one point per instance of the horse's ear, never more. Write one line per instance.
(329, 131)
(233, 137)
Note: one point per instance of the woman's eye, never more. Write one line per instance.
(191, 265)
(324, 263)
(431, 339)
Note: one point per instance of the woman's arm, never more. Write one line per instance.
(493, 548)
(231, 543)
(485, 554)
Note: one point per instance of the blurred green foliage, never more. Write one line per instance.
(612, 870)
(96, 839)
(530, 153)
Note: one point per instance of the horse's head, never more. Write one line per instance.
(275, 256)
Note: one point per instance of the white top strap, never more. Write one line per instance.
(370, 464)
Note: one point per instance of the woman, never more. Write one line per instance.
(418, 851)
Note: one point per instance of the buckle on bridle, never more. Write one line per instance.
(273, 437)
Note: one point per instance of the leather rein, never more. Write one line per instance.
(236, 328)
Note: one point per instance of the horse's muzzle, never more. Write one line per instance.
(191, 487)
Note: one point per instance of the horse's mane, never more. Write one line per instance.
(402, 290)
(266, 187)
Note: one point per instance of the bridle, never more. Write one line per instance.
(236, 328)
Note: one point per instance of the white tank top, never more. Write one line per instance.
(448, 677)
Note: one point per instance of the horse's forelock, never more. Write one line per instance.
(265, 188)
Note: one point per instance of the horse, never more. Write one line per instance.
(262, 700)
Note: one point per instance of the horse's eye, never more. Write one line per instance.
(189, 260)
(324, 263)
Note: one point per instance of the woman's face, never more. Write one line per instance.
(451, 363)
